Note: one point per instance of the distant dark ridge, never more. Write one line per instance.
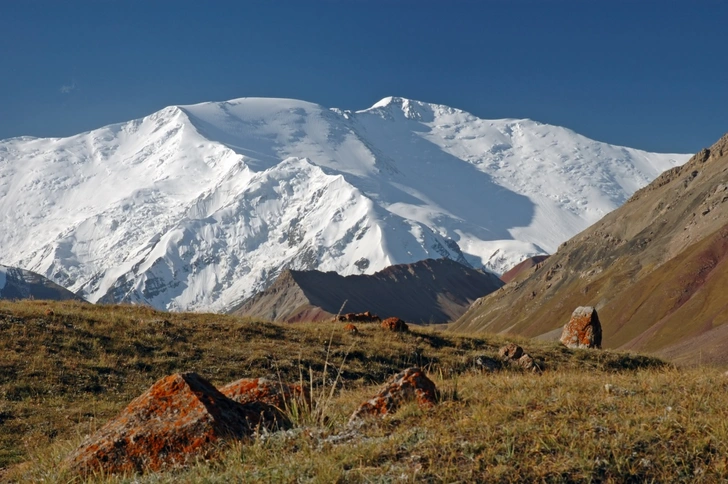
(21, 284)
(429, 291)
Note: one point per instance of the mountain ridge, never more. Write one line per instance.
(428, 291)
(198, 207)
(654, 268)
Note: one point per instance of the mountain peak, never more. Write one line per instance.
(197, 207)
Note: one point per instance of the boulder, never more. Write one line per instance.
(269, 398)
(409, 385)
(351, 328)
(395, 324)
(583, 329)
(176, 421)
(511, 351)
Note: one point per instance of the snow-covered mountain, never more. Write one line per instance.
(199, 207)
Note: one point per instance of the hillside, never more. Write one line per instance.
(429, 291)
(655, 269)
(199, 207)
(589, 415)
(16, 283)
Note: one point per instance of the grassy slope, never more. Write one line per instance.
(65, 374)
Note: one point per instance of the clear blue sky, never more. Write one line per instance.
(646, 74)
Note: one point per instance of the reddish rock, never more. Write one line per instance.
(351, 328)
(409, 385)
(49, 312)
(365, 317)
(176, 421)
(395, 324)
(583, 330)
(270, 398)
(511, 351)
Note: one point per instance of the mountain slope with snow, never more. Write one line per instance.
(198, 207)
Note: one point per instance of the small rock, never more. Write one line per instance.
(395, 324)
(583, 329)
(511, 351)
(351, 328)
(526, 362)
(409, 385)
(49, 312)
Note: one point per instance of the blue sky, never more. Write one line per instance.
(646, 74)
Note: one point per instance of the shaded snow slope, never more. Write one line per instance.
(199, 207)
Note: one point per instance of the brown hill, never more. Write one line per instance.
(655, 269)
(429, 291)
(522, 268)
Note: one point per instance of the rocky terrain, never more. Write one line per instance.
(119, 394)
(429, 291)
(655, 269)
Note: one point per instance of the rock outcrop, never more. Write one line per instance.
(583, 329)
(409, 385)
(395, 324)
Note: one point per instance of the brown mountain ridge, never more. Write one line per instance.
(429, 291)
(655, 269)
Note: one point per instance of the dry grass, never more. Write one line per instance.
(63, 375)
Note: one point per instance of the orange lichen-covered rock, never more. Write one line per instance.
(409, 385)
(351, 328)
(395, 324)
(268, 397)
(583, 329)
(177, 420)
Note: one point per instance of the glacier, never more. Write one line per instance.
(199, 207)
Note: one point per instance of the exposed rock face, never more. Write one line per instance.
(511, 351)
(365, 317)
(174, 422)
(395, 324)
(428, 291)
(583, 329)
(657, 269)
(409, 385)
